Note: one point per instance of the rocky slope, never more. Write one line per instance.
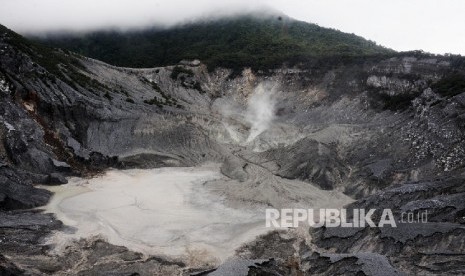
(389, 133)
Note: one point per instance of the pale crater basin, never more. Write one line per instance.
(165, 212)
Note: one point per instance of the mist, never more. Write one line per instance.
(245, 121)
(53, 16)
(431, 25)
(261, 109)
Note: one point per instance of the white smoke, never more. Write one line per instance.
(244, 123)
(260, 111)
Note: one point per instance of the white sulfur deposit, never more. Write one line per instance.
(160, 211)
(167, 211)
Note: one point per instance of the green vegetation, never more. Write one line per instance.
(83, 81)
(155, 101)
(450, 85)
(197, 87)
(154, 85)
(166, 99)
(177, 70)
(46, 57)
(247, 41)
(60, 64)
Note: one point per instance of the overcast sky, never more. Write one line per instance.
(436, 26)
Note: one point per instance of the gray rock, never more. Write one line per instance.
(61, 166)
(8, 268)
(57, 179)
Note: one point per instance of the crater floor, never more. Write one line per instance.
(165, 211)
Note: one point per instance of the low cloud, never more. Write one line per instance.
(432, 25)
(33, 17)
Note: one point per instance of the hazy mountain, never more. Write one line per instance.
(253, 41)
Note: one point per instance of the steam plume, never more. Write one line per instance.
(260, 109)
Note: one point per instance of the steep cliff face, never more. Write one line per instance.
(389, 133)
